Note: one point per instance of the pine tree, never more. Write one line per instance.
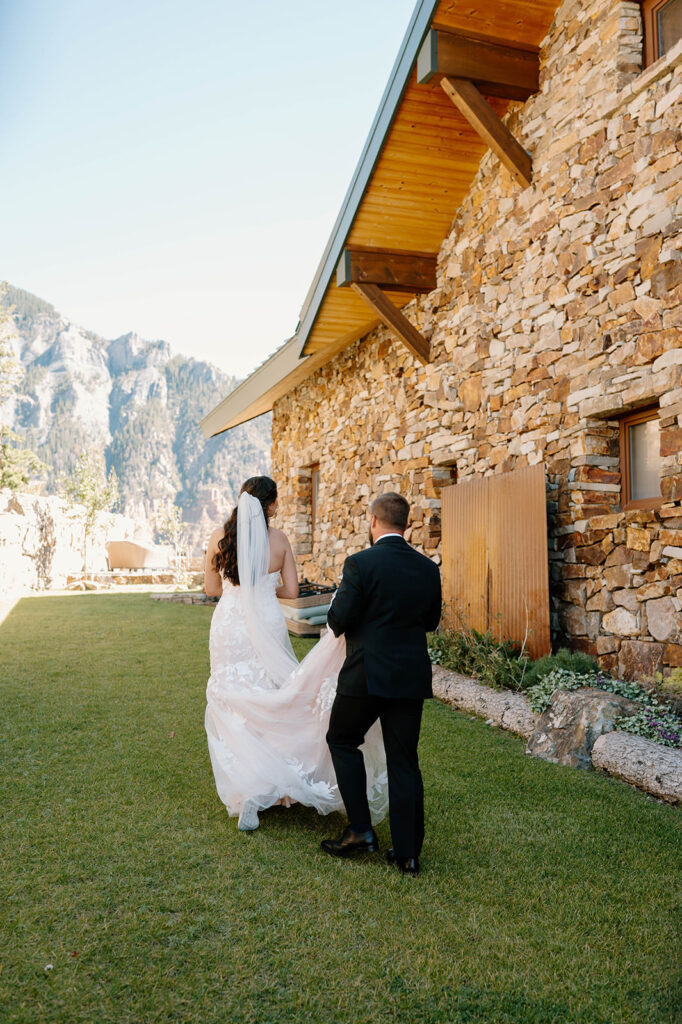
(18, 465)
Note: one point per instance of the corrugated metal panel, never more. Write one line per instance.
(465, 553)
(495, 565)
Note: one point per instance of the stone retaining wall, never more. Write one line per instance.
(638, 761)
(558, 308)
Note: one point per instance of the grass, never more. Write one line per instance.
(547, 896)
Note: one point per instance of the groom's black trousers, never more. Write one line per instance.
(400, 719)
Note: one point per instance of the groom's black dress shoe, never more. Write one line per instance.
(407, 865)
(351, 842)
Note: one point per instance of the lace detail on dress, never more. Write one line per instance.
(325, 696)
(233, 659)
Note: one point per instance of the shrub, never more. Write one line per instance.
(500, 663)
(569, 661)
(672, 683)
(495, 662)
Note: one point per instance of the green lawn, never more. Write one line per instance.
(547, 896)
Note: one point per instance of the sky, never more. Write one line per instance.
(176, 168)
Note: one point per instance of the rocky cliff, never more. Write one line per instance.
(138, 401)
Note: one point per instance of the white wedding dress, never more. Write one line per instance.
(267, 715)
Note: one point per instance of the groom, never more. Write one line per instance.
(389, 597)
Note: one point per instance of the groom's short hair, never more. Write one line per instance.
(391, 509)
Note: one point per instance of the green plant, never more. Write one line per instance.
(171, 530)
(671, 683)
(47, 545)
(88, 491)
(558, 679)
(495, 662)
(653, 722)
(19, 466)
(566, 679)
(10, 368)
(570, 661)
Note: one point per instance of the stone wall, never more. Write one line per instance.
(41, 544)
(558, 308)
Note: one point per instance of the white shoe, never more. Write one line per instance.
(248, 819)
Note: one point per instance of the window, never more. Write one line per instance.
(314, 492)
(662, 27)
(640, 459)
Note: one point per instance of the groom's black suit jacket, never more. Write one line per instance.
(389, 597)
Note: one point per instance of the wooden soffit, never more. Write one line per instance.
(428, 158)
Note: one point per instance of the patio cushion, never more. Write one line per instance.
(307, 613)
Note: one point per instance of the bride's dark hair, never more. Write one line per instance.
(225, 561)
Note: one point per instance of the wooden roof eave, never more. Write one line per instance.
(278, 375)
(251, 398)
(417, 30)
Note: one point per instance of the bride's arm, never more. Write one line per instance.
(289, 585)
(213, 584)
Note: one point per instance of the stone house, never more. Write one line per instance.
(503, 288)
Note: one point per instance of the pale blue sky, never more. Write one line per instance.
(176, 168)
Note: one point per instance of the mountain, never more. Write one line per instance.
(140, 403)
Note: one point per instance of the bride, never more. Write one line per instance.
(267, 715)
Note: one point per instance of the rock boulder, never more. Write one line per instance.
(567, 730)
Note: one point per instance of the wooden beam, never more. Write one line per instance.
(399, 271)
(395, 320)
(497, 69)
(494, 132)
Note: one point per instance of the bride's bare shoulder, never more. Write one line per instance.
(278, 537)
(215, 537)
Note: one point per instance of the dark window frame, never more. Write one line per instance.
(650, 9)
(630, 420)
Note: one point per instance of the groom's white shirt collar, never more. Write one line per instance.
(389, 535)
